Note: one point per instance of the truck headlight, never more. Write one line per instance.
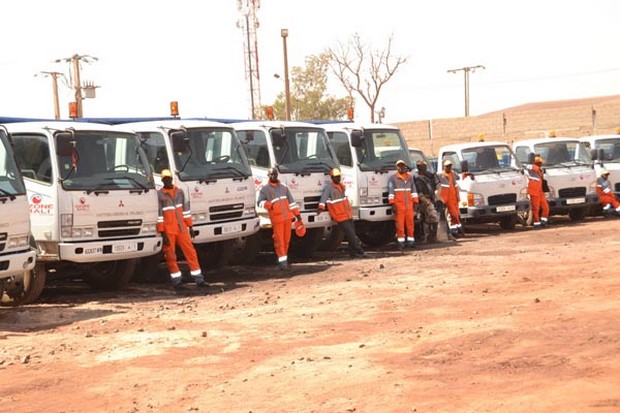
(200, 217)
(19, 241)
(475, 200)
(249, 211)
(66, 220)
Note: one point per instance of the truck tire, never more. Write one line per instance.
(578, 214)
(508, 222)
(332, 238)
(215, 255)
(33, 283)
(246, 249)
(376, 234)
(111, 275)
(306, 247)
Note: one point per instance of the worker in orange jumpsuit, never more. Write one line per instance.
(277, 199)
(402, 196)
(335, 200)
(606, 195)
(538, 200)
(450, 196)
(175, 226)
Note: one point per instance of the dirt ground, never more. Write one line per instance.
(520, 321)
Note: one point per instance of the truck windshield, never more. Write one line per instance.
(304, 150)
(490, 159)
(381, 149)
(213, 153)
(11, 183)
(563, 153)
(610, 147)
(105, 161)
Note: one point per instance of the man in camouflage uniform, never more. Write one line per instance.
(426, 184)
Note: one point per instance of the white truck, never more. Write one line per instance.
(605, 152)
(568, 171)
(210, 165)
(367, 154)
(494, 189)
(93, 204)
(17, 249)
(304, 156)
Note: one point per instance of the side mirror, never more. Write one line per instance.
(180, 141)
(356, 138)
(277, 136)
(65, 143)
(464, 166)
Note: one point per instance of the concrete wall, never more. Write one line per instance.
(578, 117)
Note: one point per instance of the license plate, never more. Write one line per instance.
(228, 229)
(126, 247)
(572, 201)
(505, 208)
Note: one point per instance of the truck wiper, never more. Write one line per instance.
(97, 190)
(6, 194)
(323, 166)
(134, 180)
(231, 168)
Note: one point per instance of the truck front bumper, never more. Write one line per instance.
(105, 250)
(493, 212)
(15, 263)
(563, 205)
(221, 231)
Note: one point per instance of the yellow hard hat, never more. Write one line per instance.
(335, 172)
(166, 173)
(447, 162)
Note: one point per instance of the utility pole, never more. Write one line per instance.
(466, 71)
(287, 91)
(249, 24)
(77, 85)
(54, 76)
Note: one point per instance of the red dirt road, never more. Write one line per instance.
(522, 321)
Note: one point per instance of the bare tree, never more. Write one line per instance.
(363, 70)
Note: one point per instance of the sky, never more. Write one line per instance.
(151, 52)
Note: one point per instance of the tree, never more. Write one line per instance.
(309, 98)
(363, 70)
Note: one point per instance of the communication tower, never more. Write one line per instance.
(249, 24)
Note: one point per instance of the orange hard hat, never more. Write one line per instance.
(300, 228)
(538, 159)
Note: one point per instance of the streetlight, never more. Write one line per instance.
(287, 92)
(75, 61)
(466, 71)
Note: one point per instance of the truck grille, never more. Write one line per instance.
(577, 191)
(119, 228)
(3, 237)
(617, 187)
(502, 199)
(225, 212)
(384, 198)
(311, 202)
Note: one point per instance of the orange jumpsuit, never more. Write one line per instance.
(278, 201)
(402, 194)
(606, 194)
(450, 196)
(175, 219)
(538, 200)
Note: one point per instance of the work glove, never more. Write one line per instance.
(165, 238)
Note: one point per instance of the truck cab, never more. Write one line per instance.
(367, 154)
(492, 187)
(210, 165)
(568, 170)
(17, 250)
(605, 152)
(304, 157)
(92, 200)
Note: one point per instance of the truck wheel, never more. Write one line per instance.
(111, 275)
(332, 238)
(33, 283)
(376, 234)
(214, 255)
(577, 214)
(525, 218)
(149, 270)
(246, 249)
(508, 222)
(308, 245)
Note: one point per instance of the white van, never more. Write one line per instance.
(17, 249)
(494, 189)
(568, 171)
(93, 204)
(605, 152)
